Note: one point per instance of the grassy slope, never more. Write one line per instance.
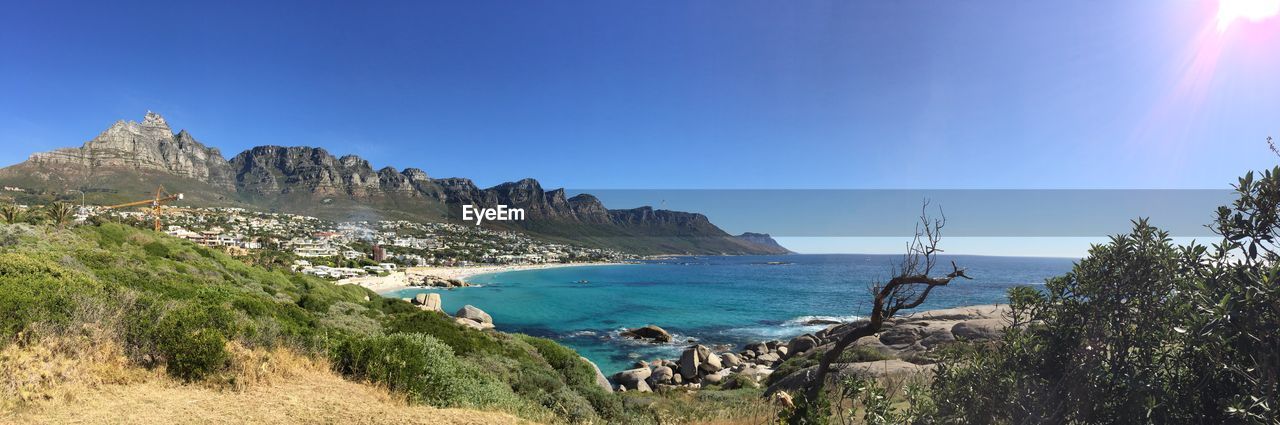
(96, 384)
(175, 306)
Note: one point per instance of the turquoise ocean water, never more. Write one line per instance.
(718, 301)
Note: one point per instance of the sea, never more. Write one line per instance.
(720, 301)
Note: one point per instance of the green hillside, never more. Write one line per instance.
(182, 309)
(175, 305)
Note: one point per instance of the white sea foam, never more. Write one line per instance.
(820, 320)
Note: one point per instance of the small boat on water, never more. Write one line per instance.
(584, 281)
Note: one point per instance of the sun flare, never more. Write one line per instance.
(1230, 11)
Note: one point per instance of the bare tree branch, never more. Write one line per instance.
(909, 288)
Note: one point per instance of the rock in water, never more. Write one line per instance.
(649, 332)
(431, 302)
(470, 312)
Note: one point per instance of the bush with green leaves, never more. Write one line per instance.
(1140, 331)
(424, 368)
(193, 340)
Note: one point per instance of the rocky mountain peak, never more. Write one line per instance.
(146, 146)
(416, 174)
(154, 120)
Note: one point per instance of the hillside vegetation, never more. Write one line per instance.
(172, 306)
(131, 324)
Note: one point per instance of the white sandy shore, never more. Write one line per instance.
(400, 280)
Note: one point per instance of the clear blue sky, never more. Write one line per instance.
(667, 94)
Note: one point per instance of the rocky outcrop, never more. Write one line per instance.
(634, 379)
(428, 301)
(903, 344)
(149, 145)
(601, 380)
(897, 350)
(650, 333)
(470, 312)
(473, 317)
(430, 281)
(839, 371)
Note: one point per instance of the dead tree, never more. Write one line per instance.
(911, 284)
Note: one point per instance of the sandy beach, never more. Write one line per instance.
(400, 280)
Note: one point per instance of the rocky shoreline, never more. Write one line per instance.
(901, 348)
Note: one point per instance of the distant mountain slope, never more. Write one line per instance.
(762, 239)
(130, 158)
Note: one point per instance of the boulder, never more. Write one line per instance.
(978, 330)
(759, 348)
(689, 363)
(710, 362)
(480, 326)
(756, 373)
(630, 377)
(650, 333)
(600, 379)
(839, 371)
(899, 335)
(767, 359)
(470, 312)
(730, 360)
(643, 387)
(782, 351)
(429, 302)
(661, 375)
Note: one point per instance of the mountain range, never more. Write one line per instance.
(128, 160)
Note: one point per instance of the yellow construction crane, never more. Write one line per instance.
(155, 205)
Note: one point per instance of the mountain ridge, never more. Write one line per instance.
(131, 157)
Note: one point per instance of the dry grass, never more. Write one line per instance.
(60, 368)
(87, 380)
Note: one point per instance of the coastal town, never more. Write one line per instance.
(346, 251)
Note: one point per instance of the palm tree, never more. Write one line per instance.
(11, 214)
(60, 212)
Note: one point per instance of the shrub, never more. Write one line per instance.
(37, 290)
(193, 340)
(464, 341)
(1140, 331)
(422, 367)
